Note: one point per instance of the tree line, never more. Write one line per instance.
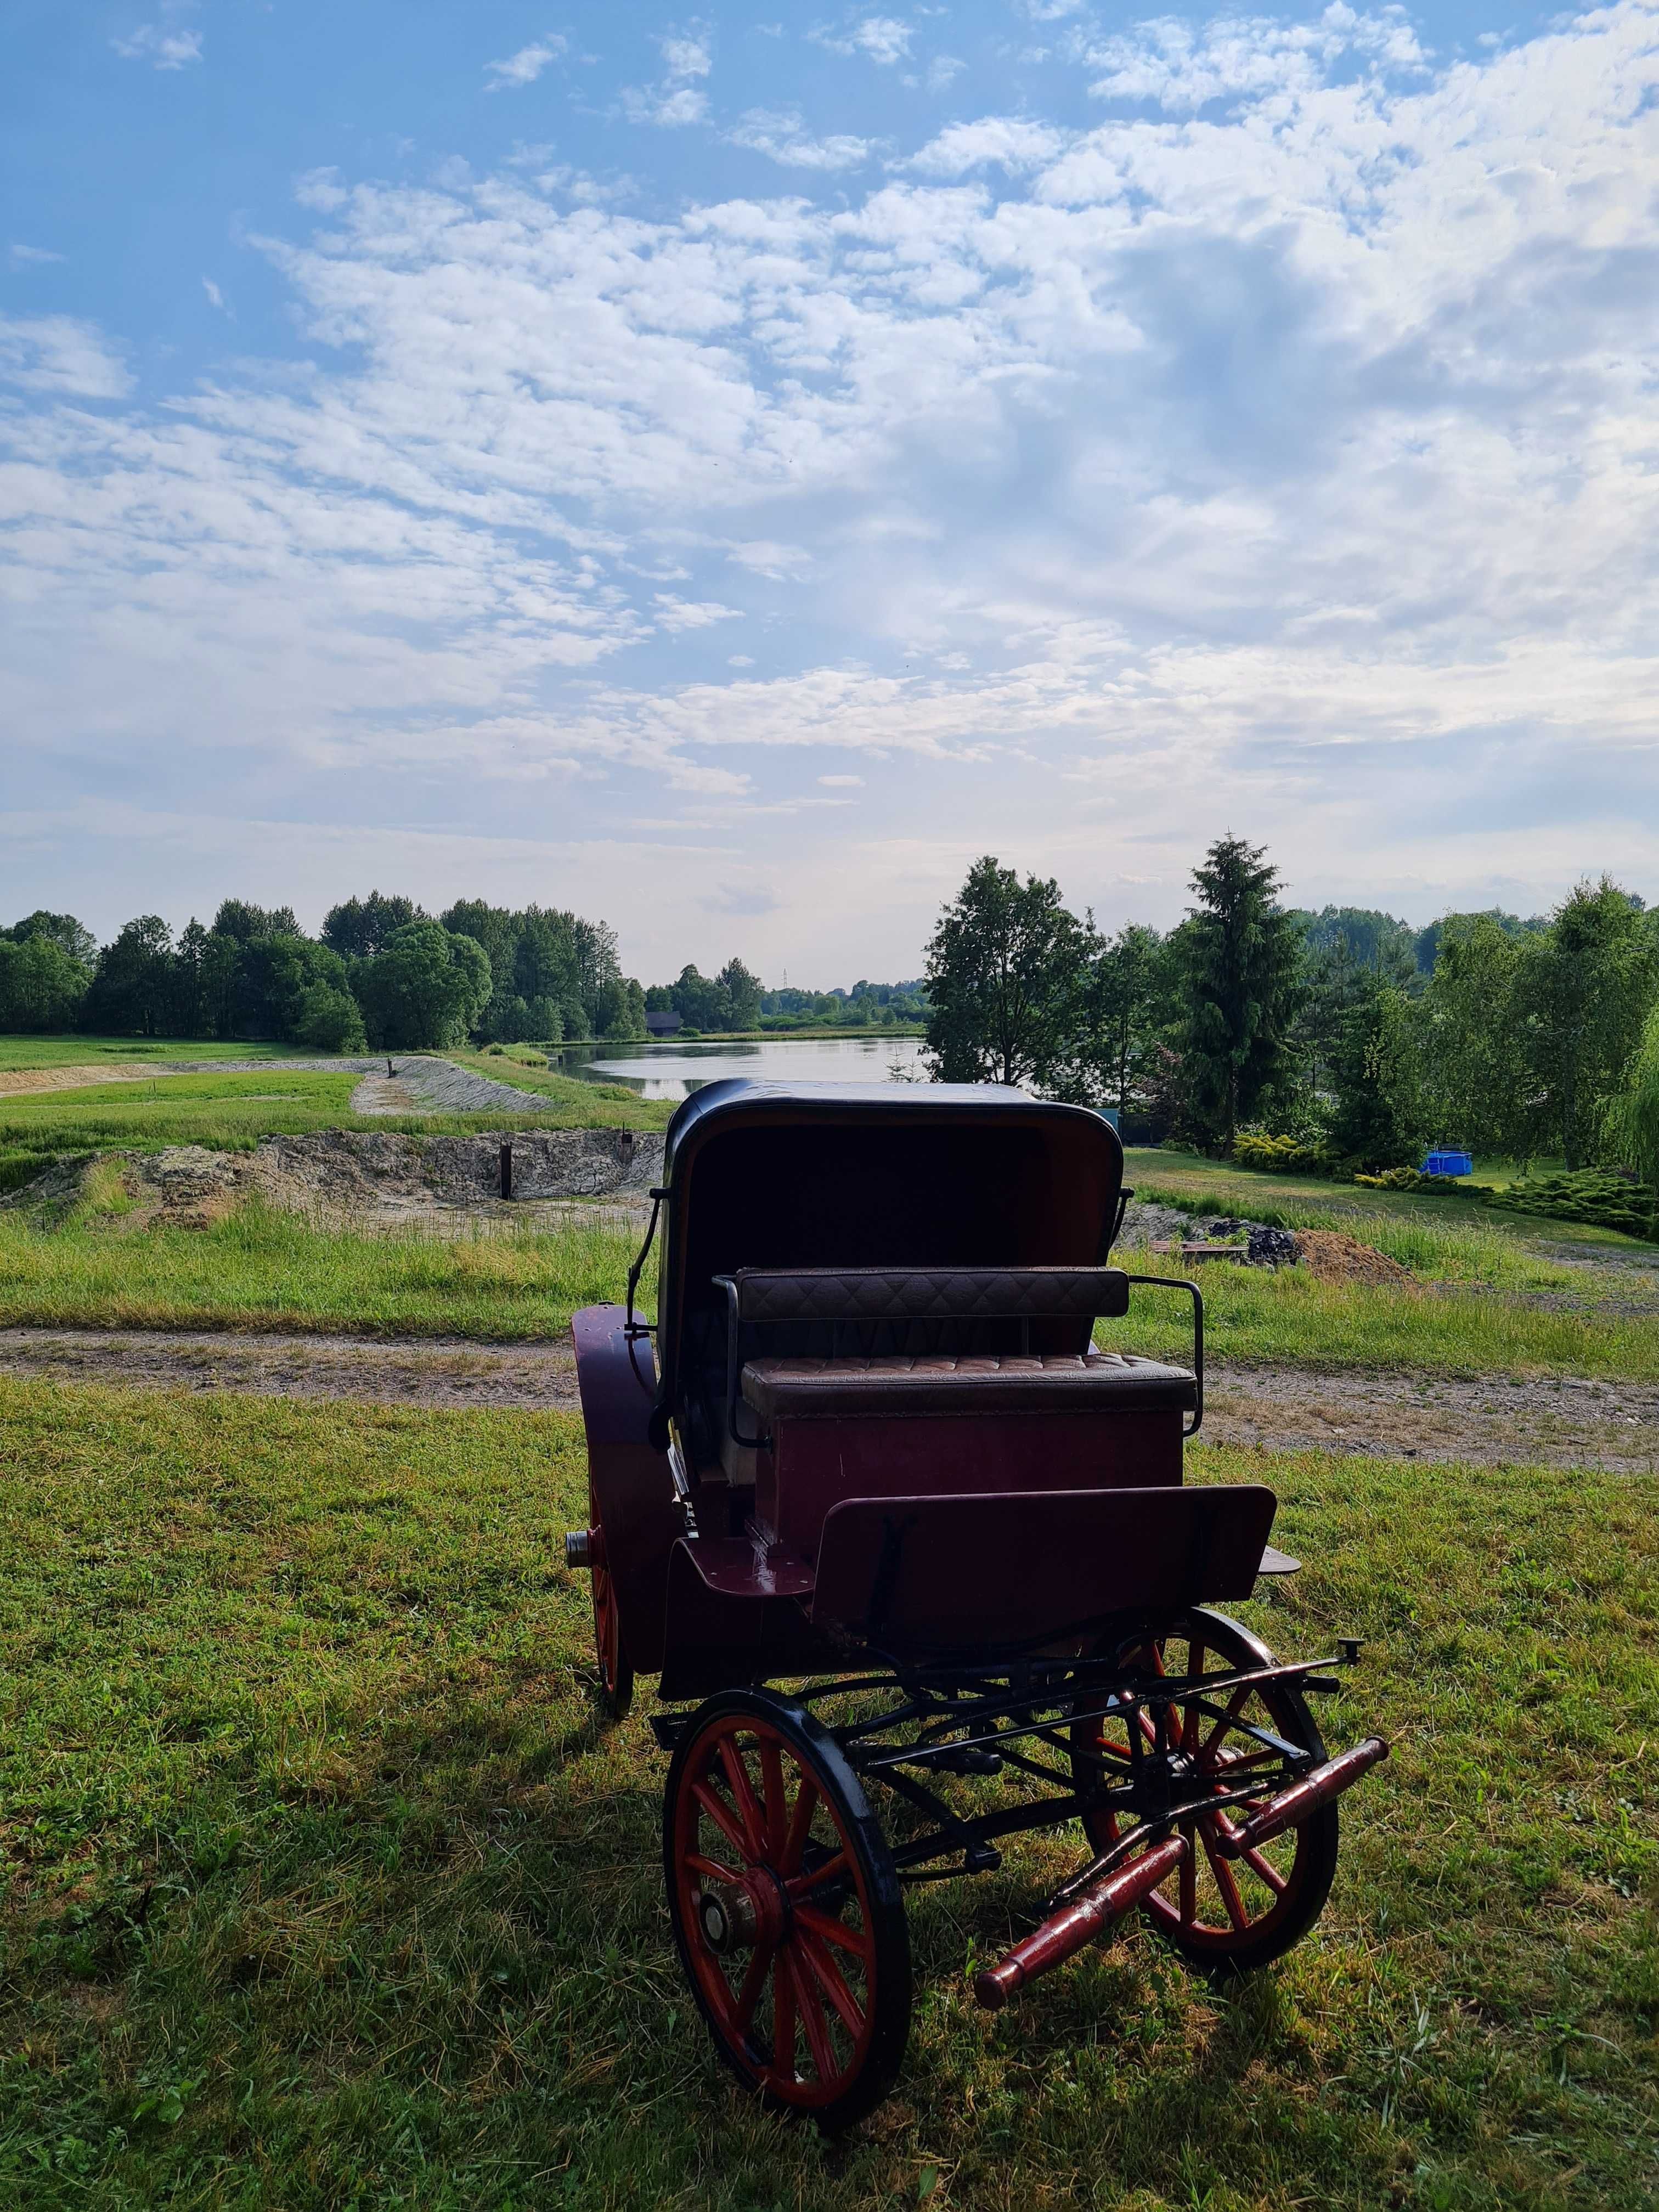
(1347, 1029)
(736, 998)
(382, 973)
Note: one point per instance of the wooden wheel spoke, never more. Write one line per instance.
(743, 2005)
(713, 1870)
(723, 1817)
(1222, 1876)
(772, 1797)
(800, 1820)
(1190, 1715)
(829, 1930)
(743, 1793)
(1224, 1720)
(1265, 1870)
(1187, 1900)
(827, 1975)
(783, 2015)
(811, 2018)
(803, 1885)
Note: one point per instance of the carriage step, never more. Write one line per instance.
(1315, 1789)
(1087, 1917)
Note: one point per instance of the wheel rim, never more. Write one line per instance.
(607, 1621)
(1214, 1903)
(772, 1899)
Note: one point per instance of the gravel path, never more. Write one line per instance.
(1552, 1424)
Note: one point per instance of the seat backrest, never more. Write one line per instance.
(959, 1295)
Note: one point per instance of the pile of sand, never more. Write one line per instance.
(1332, 1257)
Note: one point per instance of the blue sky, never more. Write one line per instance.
(724, 470)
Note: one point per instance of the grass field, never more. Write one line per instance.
(325, 1890)
(231, 1113)
(1487, 1304)
(1201, 1186)
(117, 1052)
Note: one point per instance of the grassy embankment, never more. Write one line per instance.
(325, 1890)
(1484, 1303)
(231, 1113)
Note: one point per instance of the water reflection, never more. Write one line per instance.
(675, 1071)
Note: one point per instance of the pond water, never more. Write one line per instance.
(675, 1071)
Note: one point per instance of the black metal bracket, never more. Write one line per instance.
(760, 1440)
(1176, 1283)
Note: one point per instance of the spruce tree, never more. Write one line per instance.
(1242, 956)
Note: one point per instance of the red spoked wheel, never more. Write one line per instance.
(787, 1909)
(616, 1674)
(1227, 1915)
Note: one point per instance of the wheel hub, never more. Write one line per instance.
(736, 1919)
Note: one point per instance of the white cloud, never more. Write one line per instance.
(58, 354)
(216, 297)
(28, 256)
(1182, 67)
(784, 138)
(163, 48)
(526, 65)
(675, 614)
(842, 783)
(884, 38)
(1008, 142)
(679, 99)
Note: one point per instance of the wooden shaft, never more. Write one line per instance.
(1294, 1804)
(1087, 1917)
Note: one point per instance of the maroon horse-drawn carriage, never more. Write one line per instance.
(875, 1455)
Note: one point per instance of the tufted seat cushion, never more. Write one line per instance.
(959, 1294)
(898, 1387)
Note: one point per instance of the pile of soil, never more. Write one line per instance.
(1332, 1257)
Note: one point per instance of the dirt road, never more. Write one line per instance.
(1557, 1423)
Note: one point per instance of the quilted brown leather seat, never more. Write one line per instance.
(898, 1387)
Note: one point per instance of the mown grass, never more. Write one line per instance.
(261, 1268)
(231, 1113)
(324, 1888)
(1199, 1186)
(93, 1051)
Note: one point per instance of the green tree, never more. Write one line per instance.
(427, 987)
(1126, 995)
(65, 931)
(1007, 973)
(1242, 954)
(1630, 1123)
(1470, 1040)
(239, 919)
(1379, 1110)
(132, 994)
(1586, 984)
(699, 1000)
(327, 1018)
(41, 985)
(359, 928)
(495, 929)
(743, 995)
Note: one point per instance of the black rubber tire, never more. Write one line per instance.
(1226, 1954)
(876, 1896)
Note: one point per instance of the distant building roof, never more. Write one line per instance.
(661, 1025)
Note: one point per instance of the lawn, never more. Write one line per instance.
(231, 1113)
(260, 1268)
(326, 1889)
(1201, 1186)
(93, 1051)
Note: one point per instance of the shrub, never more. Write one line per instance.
(1426, 1186)
(1255, 1148)
(1595, 1195)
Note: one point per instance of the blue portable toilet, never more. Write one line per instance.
(1109, 1114)
(1448, 1163)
